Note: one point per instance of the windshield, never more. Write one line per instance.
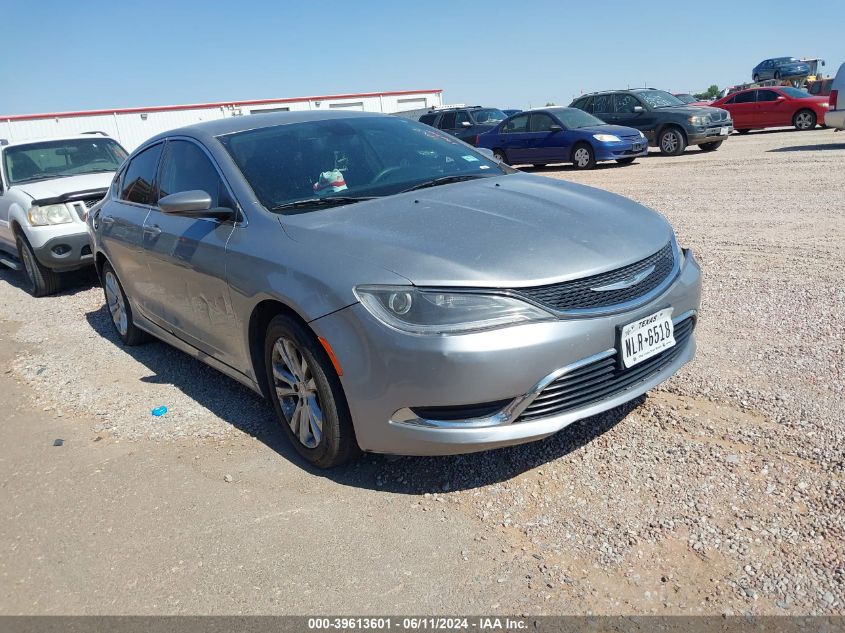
(348, 159)
(659, 99)
(784, 60)
(686, 98)
(56, 159)
(572, 118)
(488, 115)
(795, 93)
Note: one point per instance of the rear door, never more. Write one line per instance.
(602, 107)
(186, 256)
(514, 135)
(772, 109)
(743, 109)
(120, 222)
(448, 123)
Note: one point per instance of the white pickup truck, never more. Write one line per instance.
(46, 189)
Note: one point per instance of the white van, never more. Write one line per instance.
(835, 116)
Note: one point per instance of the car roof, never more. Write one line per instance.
(47, 139)
(604, 92)
(208, 130)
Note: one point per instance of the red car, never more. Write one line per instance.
(773, 106)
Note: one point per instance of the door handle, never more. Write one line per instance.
(153, 230)
(107, 220)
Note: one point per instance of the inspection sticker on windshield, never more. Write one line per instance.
(646, 337)
(470, 159)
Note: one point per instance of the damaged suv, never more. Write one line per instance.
(46, 190)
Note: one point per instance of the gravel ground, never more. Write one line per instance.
(721, 492)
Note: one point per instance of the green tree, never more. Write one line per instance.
(711, 93)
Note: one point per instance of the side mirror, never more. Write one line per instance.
(555, 128)
(193, 204)
(466, 124)
(638, 109)
(781, 98)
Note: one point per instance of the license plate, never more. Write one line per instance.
(646, 337)
(724, 131)
(636, 147)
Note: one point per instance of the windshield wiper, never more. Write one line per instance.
(320, 202)
(443, 180)
(39, 177)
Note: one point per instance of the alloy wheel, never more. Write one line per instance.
(582, 157)
(669, 142)
(28, 266)
(296, 389)
(117, 307)
(804, 120)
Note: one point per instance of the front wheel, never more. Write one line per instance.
(306, 394)
(120, 310)
(499, 155)
(756, 79)
(41, 281)
(804, 120)
(710, 147)
(626, 161)
(583, 156)
(672, 142)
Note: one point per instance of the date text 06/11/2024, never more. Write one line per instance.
(417, 623)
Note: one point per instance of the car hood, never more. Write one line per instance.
(43, 189)
(688, 110)
(617, 130)
(507, 231)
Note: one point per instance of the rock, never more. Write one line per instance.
(227, 478)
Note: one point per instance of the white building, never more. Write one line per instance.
(132, 126)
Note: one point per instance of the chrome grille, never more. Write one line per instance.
(602, 379)
(578, 294)
(90, 202)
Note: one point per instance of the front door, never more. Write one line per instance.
(645, 121)
(772, 109)
(186, 256)
(545, 144)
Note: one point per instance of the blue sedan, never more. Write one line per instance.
(562, 135)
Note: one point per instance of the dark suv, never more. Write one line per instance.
(465, 123)
(666, 121)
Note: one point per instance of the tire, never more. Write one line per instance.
(583, 156)
(626, 161)
(120, 310)
(804, 120)
(672, 141)
(41, 281)
(711, 147)
(499, 154)
(302, 381)
(756, 79)
(742, 131)
(777, 76)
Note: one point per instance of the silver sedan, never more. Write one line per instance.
(389, 288)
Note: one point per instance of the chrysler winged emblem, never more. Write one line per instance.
(633, 280)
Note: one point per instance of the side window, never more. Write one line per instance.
(138, 182)
(428, 119)
(579, 103)
(745, 97)
(448, 121)
(731, 100)
(516, 125)
(603, 104)
(460, 117)
(187, 168)
(766, 95)
(542, 123)
(625, 103)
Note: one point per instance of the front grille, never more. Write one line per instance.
(578, 294)
(602, 379)
(719, 115)
(90, 202)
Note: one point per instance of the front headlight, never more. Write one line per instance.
(431, 312)
(49, 214)
(699, 120)
(606, 138)
(641, 134)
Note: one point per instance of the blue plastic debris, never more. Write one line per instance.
(159, 411)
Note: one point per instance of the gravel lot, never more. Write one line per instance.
(723, 491)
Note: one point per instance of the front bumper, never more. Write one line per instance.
(709, 134)
(65, 252)
(622, 149)
(387, 374)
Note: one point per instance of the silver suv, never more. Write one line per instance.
(46, 190)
